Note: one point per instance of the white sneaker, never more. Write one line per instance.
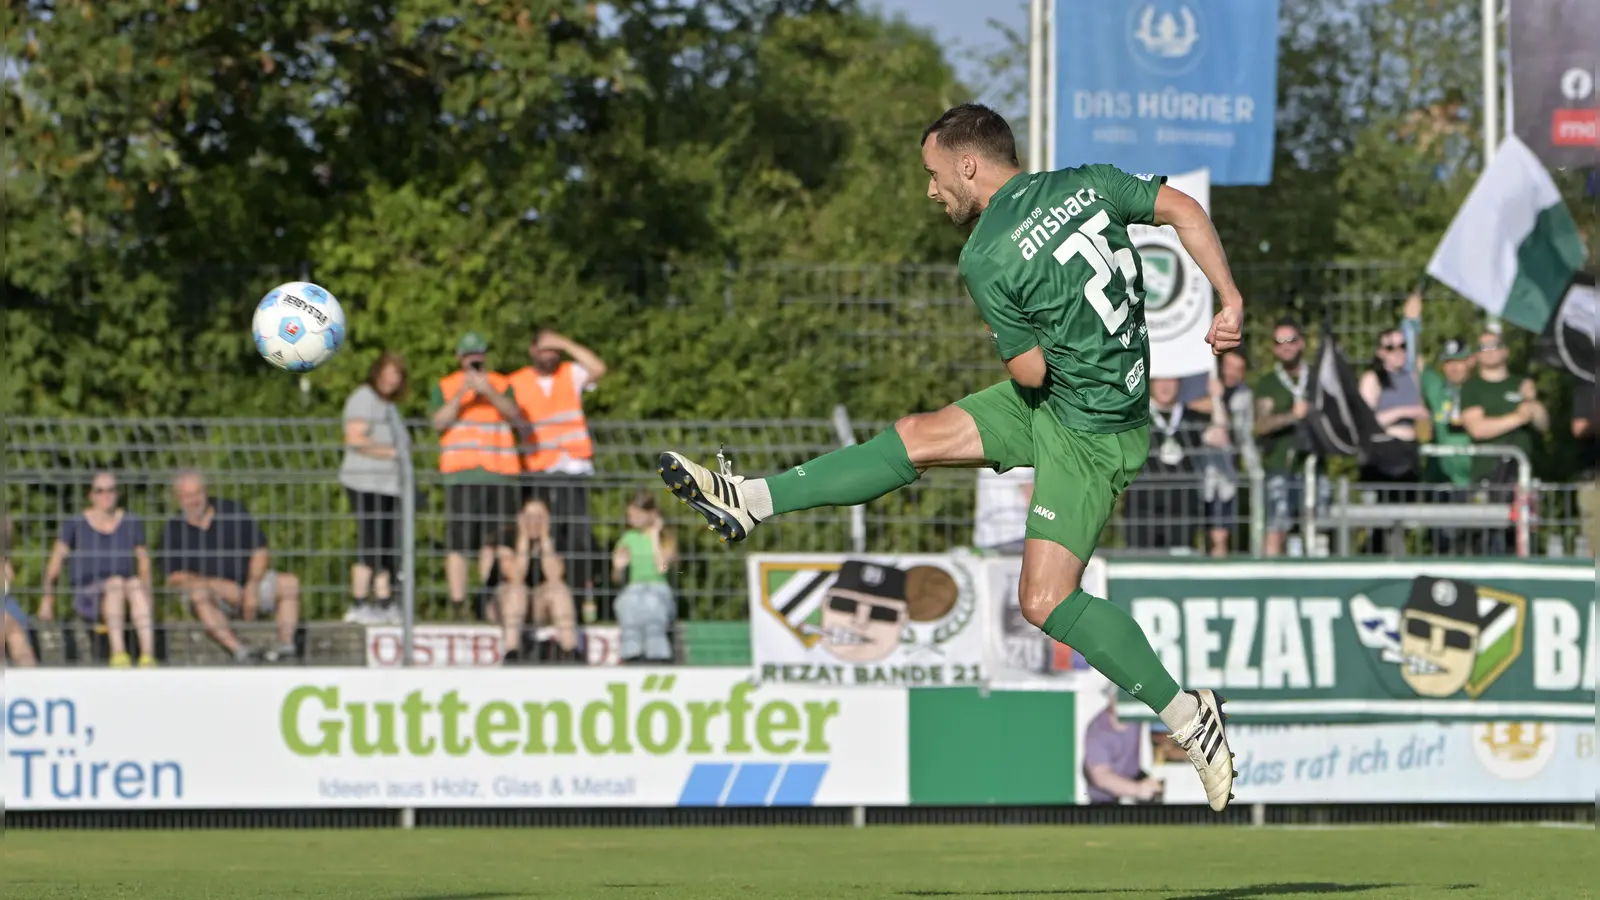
(1208, 749)
(715, 495)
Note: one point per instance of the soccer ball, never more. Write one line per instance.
(298, 326)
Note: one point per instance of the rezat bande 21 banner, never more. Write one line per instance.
(77, 739)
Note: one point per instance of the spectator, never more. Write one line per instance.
(532, 569)
(1163, 508)
(1391, 390)
(110, 575)
(1280, 407)
(558, 451)
(1497, 409)
(1226, 437)
(13, 621)
(1585, 413)
(370, 474)
(646, 607)
(1001, 517)
(216, 554)
(1111, 769)
(1441, 390)
(475, 412)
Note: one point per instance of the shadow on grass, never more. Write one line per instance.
(1245, 892)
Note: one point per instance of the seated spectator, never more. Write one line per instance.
(529, 582)
(1164, 509)
(1441, 390)
(370, 474)
(1111, 769)
(1499, 409)
(646, 607)
(1000, 520)
(110, 576)
(217, 555)
(13, 621)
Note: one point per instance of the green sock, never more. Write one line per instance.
(844, 477)
(1112, 642)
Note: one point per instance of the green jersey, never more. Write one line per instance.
(1277, 391)
(1444, 405)
(1496, 398)
(1050, 265)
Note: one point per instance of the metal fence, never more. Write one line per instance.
(285, 473)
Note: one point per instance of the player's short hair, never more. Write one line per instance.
(974, 128)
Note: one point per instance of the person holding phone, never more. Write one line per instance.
(475, 412)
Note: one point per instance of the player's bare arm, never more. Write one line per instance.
(1199, 237)
(1028, 369)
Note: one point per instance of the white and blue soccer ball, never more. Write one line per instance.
(298, 326)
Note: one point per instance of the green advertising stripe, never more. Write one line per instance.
(1357, 641)
(1006, 748)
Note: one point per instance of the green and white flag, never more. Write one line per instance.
(1513, 246)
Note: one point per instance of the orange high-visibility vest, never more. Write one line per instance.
(556, 418)
(481, 438)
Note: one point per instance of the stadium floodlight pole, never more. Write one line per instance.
(1036, 75)
(1491, 96)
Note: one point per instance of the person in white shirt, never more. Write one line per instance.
(1001, 517)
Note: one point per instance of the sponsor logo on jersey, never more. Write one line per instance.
(1041, 511)
(1135, 375)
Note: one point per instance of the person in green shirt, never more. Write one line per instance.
(1280, 407)
(1499, 409)
(1441, 393)
(1052, 267)
(645, 608)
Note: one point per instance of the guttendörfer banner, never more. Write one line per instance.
(87, 739)
(1362, 641)
(1555, 79)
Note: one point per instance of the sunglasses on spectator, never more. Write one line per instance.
(1290, 340)
(1391, 346)
(101, 489)
(1490, 345)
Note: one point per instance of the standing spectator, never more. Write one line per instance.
(1585, 413)
(1391, 390)
(1228, 442)
(13, 621)
(110, 576)
(1163, 509)
(1280, 407)
(217, 555)
(559, 452)
(529, 582)
(1000, 518)
(1441, 390)
(1499, 409)
(370, 474)
(475, 412)
(646, 607)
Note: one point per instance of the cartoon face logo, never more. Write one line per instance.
(1450, 636)
(865, 611)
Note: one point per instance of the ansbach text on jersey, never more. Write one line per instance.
(1171, 104)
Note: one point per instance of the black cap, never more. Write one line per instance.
(1445, 597)
(872, 579)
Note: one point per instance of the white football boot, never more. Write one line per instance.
(718, 496)
(1207, 745)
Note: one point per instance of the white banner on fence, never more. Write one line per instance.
(1395, 762)
(1177, 296)
(96, 739)
(910, 620)
(1016, 654)
(474, 645)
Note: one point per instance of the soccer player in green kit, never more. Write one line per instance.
(1050, 265)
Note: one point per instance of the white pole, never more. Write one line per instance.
(1491, 98)
(1036, 121)
(1050, 85)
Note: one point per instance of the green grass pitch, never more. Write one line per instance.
(1116, 863)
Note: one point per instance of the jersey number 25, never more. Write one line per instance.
(1089, 243)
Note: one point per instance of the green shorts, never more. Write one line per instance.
(1077, 476)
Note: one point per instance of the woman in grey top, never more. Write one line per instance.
(370, 474)
(1391, 389)
(110, 574)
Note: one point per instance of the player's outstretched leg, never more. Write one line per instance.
(732, 504)
(1113, 643)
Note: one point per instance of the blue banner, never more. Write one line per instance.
(1167, 86)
